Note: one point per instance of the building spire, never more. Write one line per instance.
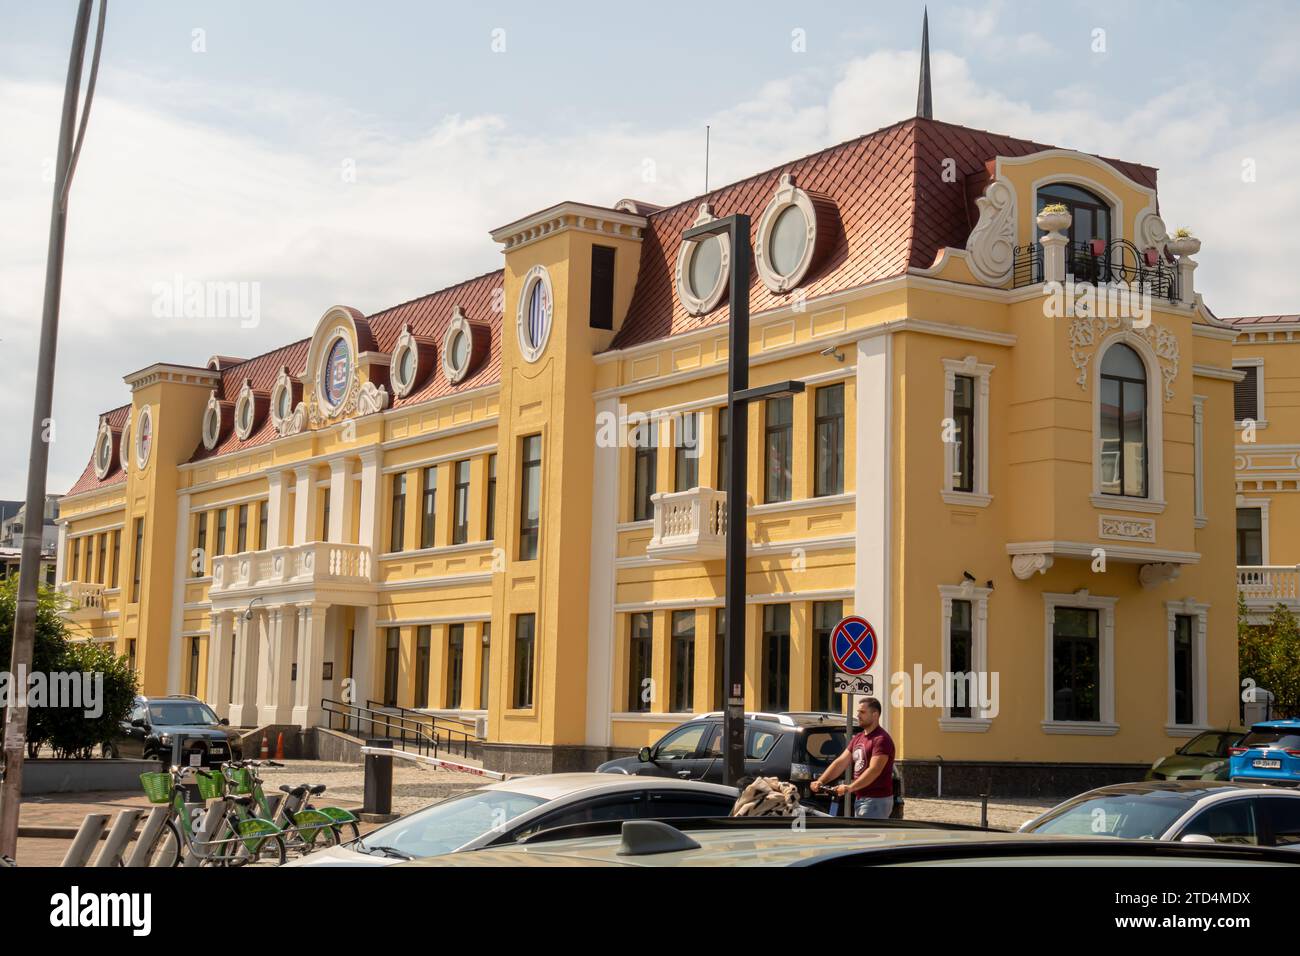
(924, 105)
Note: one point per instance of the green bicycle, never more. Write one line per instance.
(305, 828)
(239, 839)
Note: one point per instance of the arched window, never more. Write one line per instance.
(1123, 423)
(1090, 214)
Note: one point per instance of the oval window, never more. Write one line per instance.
(337, 372)
(282, 403)
(105, 453)
(246, 417)
(789, 240)
(706, 266)
(406, 367)
(460, 351)
(538, 318)
(211, 426)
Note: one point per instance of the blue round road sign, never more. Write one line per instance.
(853, 645)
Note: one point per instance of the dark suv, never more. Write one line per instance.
(796, 747)
(155, 723)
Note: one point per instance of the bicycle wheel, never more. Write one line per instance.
(166, 849)
(348, 832)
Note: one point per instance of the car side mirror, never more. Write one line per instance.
(224, 721)
(644, 755)
(138, 722)
(1196, 838)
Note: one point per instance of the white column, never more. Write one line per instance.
(180, 574)
(874, 470)
(1053, 257)
(372, 460)
(600, 609)
(277, 512)
(311, 654)
(274, 687)
(219, 663)
(341, 493)
(363, 658)
(1186, 280)
(304, 505)
(243, 706)
(60, 559)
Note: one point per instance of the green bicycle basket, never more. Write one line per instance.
(157, 787)
(241, 778)
(212, 785)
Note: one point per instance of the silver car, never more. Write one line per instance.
(1190, 811)
(508, 810)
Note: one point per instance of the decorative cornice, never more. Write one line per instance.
(569, 215)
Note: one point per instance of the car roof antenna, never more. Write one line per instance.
(647, 837)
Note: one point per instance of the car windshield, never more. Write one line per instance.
(1127, 816)
(823, 745)
(1209, 745)
(451, 823)
(177, 713)
(1277, 738)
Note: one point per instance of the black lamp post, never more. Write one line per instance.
(739, 395)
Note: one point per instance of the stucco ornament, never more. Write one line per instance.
(1084, 334)
(1024, 566)
(372, 399)
(295, 422)
(992, 243)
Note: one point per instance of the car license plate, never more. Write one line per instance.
(218, 748)
(1267, 764)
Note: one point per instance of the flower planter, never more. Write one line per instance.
(1054, 221)
(1185, 246)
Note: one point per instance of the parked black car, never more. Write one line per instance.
(156, 722)
(795, 746)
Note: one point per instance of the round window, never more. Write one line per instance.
(282, 403)
(789, 240)
(337, 372)
(105, 453)
(535, 314)
(211, 426)
(144, 441)
(406, 366)
(459, 350)
(246, 416)
(706, 266)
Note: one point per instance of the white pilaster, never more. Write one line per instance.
(874, 551)
(277, 512)
(304, 505)
(243, 702)
(341, 494)
(311, 654)
(364, 653)
(180, 573)
(371, 524)
(274, 687)
(219, 663)
(600, 609)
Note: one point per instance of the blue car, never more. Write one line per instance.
(1270, 753)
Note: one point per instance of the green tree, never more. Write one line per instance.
(1269, 655)
(50, 647)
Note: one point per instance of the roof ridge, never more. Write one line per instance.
(429, 295)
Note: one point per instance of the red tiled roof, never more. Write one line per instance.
(89, 481)
(1249, 320)
(896, 211)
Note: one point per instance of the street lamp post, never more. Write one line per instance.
(739, 395)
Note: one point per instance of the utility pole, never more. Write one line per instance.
(70, 138)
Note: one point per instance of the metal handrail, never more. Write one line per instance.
(1119, 261)
(416, 735)
(431, 721)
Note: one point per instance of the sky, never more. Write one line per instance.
(321, 153)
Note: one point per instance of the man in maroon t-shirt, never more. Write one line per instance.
(872, 756)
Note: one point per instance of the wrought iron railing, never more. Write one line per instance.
(1100, 262)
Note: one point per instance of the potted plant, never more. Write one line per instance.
(1054, 217)
(1183, 243)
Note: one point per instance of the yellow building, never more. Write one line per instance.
(1267, 420)
(500, 500)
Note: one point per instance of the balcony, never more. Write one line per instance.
(1265, 586)
(318, 570)
(86, 601)
(689, 525)
(1102, 263)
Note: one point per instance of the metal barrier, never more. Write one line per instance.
(423, 732)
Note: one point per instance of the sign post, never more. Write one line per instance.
(853, 649)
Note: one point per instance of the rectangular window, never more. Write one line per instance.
(423, 643)
(392, 665)
(455, 664)
(263, 512)
(775, 691)
(828, 476)
(490, 531)
(130, 654)
(325, 515)
(681, 690)
(485, 659)
(719, 658)
(963, 416)
(117, 555)
(644, 470)
(193, 682)
(1245, 394)
(397, 534)
(1184, 669)
(530, 508)
(1250, 537)
(74, 569)
(826, 614)
(686, 452)
(460, 508)
(639, 654)
(961, 654)
(778, 448)
(221, 532)
(1123, 436)
(201, 545)
(1076, 665)
(724, 460)
(428, 507)
(601, 315)
(137, 560)
(241, 532)
(525, 640)
(101, 559)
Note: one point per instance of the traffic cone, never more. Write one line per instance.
(279, 746)
(266, 747)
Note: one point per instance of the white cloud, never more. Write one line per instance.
(170, 183)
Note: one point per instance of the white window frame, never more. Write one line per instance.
(970, 366)
(1198, 459)
(1154, 502)
(1262, 504)
(532, 351)
(1261, 419)
(979, 600)
(1106, 726)
(1200, 705)
(702, 304)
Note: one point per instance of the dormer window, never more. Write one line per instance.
(702, 268)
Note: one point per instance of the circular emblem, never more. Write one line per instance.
(338, 371)
(854, 645)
